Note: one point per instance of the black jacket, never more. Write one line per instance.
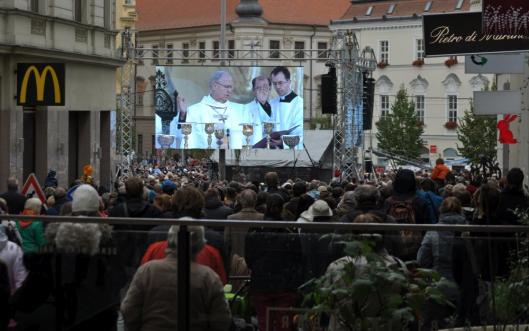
(136, 208)
(275, 259)
(15, 201)
(131, 239)
(510, 200)
(364, 209)
(215, 210)
(56, 209)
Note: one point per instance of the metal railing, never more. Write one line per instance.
(183, 249)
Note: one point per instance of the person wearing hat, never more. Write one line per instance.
(319, 211)
(150, 302)
(315, 244)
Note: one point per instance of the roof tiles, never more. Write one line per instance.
(173, 14)
(404, 8)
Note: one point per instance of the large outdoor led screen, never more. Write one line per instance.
(200, 107)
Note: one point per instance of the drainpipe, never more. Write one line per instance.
(310, 73)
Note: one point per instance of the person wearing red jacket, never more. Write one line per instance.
(208, 256)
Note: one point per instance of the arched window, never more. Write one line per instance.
(383, 88)
(450, 153)
(418, 88)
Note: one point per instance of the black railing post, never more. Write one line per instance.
(184, 267)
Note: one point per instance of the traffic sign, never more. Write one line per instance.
(433, 149)
(32, 188)
(497, 102)
(495, 64)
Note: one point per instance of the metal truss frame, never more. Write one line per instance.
(344, 54)
(349, 135)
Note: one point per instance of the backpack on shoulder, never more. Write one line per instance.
(407, 242)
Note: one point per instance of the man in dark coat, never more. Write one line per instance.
(131, 239)
(272, 186)
(512, 198)
(214, 208)
(15, 200)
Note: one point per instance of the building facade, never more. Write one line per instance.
(439, 87)
(80, 34)
(271, 32)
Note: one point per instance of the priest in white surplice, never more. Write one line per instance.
(287, 106)
(259, 109)
(216, 108)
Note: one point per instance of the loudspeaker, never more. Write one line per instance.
(368, 166)
(368, 96)
(329, 104)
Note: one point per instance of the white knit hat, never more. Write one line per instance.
(85, 199)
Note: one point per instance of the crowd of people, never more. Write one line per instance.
(129, 270)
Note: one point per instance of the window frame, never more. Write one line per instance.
(34, 6)
(323, 53)
(78, 11)
(140, 144)
(383, 53)
(169, 53)
(155, 54)
(231, 48)
(215, 44)
(449, 107)
(202, 51)
(419, 53)
(384, 101)
(420, 111)
(299, 53)
(185, 52)
(274, 52)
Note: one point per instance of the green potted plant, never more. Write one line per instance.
(511, 295)
(367, 290)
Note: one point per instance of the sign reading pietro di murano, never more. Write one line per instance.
(40, 84)
(459, 34)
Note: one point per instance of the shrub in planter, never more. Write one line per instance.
(418, 63)
(382, 64)
(451, 125)
(450, 62)
(370, 290)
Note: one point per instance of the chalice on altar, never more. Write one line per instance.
(187, 128)
(247, 131)
(291, 141)
(209, 128)
(165, 140)
(219, 133)
(268, 129)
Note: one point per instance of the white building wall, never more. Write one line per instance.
(434, 79)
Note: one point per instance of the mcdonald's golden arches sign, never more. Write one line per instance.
(40, 84)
